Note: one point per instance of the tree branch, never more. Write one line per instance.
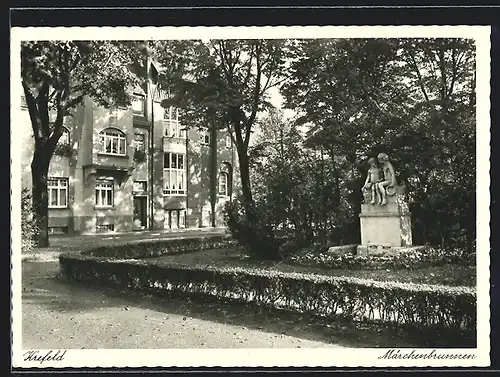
(255, 101)
(442, 70)
(238, 134)
(419, 76)
(73, 102)
(76, 61)
(43, 108)
(249, 68)
(33, 112)
(269, 74)
(455, 72)
(225, 66)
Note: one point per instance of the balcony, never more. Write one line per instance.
(174, 140)
(121, 173)
(174, 137)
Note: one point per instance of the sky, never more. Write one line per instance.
(277, 100)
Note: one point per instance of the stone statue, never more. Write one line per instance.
(372, 179)
(388, 184)
(380, 180)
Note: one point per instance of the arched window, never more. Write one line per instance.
(138, 104)
(64, 139)
(223, 184)
(225, 176)
(113, 141)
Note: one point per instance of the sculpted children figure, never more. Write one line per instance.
(372, 179)
(389, 177)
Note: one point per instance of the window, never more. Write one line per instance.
(173, 161)
(64, 139)
(140, 186)
(172, 113)
(205, 137)
(58, 229)
(139, 142)
(174, 129)
(223, 186)
(104, 194)
(58, 192)
(182, 219)
(175, 218)
(103, 228)
(174, 174)
(171, 123)
(138, 104)
(113, 142)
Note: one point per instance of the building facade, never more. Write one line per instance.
(107, 176)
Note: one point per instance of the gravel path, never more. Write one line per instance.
(59, 314)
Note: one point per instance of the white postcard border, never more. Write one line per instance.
(327, 357)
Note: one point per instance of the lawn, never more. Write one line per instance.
(453, 275)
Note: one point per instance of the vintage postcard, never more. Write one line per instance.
(250, 196)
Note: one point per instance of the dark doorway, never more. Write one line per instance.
(140, 212)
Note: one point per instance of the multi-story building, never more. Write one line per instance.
(106, 175)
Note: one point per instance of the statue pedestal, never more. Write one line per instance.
(385, 227)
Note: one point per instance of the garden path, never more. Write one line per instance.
(57, 314)
(63, 314)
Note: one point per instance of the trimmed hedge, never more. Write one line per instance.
(156, 248)
(420, 306)
(420, 258)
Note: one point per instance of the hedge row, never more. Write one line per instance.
(150, 249)
(414, 259)
(423, 306)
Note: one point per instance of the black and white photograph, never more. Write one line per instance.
(250, 196)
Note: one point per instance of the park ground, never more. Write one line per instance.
(63, 314)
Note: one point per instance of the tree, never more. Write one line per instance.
(298, 186)
(224, 83)
(56, 76)
(412, 98)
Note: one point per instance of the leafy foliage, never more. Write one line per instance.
(253, 230)
(140, 156)
(63, 150)
(416, 259)
(56, 76)
(299, 188)
(28, 226)
(223, 84)
(411, 98)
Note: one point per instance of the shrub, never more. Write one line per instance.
(252, 230)
(150, 249)
(411, 305)
(63, 150)
(418, 258)
(28, 227)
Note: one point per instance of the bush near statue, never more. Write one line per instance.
(380, 180)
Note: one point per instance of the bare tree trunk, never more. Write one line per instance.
(245, 176)
(39, 173)
(213, 171)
